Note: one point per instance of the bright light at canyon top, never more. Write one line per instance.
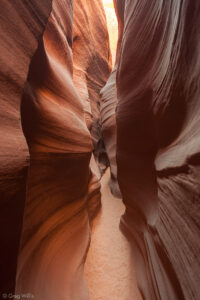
(112, 26)
(108, 3)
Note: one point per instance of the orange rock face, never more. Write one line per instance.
(108, 108)
(91, 68)
(19, 33)
(62, 188)
(56, 226)
(63, 115)
(158, 143)
(112, 25)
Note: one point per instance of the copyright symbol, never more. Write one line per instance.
(4, 296)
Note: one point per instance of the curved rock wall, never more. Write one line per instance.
(91, 54)
(62, 189)
(158, 143)
(108, 107)
(56, 226)
(91, 68)
(153, 140)
(56, 124)
(22, 24)
(108, 120)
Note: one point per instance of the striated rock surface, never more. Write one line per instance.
(108, 119)
(55, 117)
(55, 234)
(91, 68)
(108, 108)
(22, 23)
(158, 86)
(92, 65)
(62, 191)
(52, 150)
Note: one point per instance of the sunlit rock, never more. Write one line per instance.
(61, 192)
(91, 68)
(64, 118)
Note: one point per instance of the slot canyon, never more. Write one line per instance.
(100, 149)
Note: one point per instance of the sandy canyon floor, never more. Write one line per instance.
(109, 268)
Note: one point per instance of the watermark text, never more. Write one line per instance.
(17, 296)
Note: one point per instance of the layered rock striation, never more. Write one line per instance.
(55, 60)
(108, 107)
(158, 143)
(22, 24)
(49, 128)
(91, 68)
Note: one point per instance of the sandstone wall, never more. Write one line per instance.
(91, 53)
(52, 153)
(21, 25)
(56, 227)
(158, 143)
(108, 107)
(49, 127)
(91, 68)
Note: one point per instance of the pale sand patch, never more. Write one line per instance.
(109, 268)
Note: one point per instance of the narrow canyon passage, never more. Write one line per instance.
(109, 268)
(85, 85)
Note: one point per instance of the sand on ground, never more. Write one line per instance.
(109, 267)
